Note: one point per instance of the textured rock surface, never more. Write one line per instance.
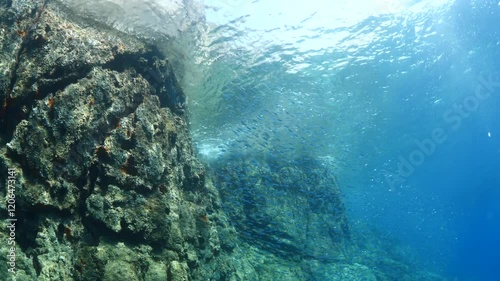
(93, 122)
(282, 206)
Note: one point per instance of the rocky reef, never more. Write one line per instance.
(281, 206)
(93, 123)
(107, 185)
(293, 225)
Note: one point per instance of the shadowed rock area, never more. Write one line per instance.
(281, 206)
(108, 187)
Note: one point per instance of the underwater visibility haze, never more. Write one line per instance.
(342, 140)
(398, 98)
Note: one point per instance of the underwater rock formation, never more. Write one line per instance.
(293, 211)
(289, 209)
(93, 123)
(107, 184)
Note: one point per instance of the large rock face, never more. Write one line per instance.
(93, 123)
(292, 209)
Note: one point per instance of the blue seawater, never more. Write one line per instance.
(400, 98)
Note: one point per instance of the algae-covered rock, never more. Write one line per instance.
(177, 271)
(341, 271)
(119, 270)
(93, 123)
(156, 272)
(292, 210)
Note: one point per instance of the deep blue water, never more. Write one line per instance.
(387, 95)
